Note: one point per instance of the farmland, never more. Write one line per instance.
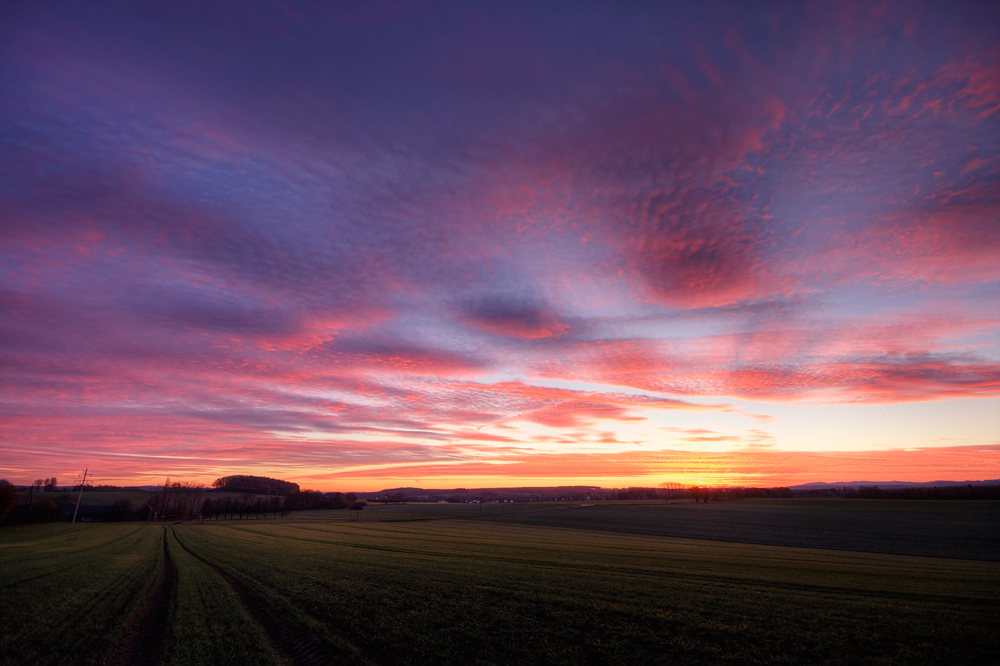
(439, 584)
(929, 528)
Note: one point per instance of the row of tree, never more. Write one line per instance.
(99, 488)
(49, 484)
(666, 491)
(313, 499)
(254, 506)
(247, 505)
(176, 501)
(966, 492)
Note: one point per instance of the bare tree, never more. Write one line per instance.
(672, 490)
(179, 501)
(700, 494)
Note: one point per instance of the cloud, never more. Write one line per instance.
(338, 226)
(513, 315)
(750, 467)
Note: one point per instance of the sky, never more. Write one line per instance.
(365, 245)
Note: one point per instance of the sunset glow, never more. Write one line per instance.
(366, 245)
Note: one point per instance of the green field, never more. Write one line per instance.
(438, 584)
(934, 528)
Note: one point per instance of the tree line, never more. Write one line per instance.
(666, 491)
(175, 500)
(188, 501)
(966, 492)
(255, 506)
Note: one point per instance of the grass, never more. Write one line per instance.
(208, 623)
(470, 592)
(67, 590)
(959, 529)
(434, 584)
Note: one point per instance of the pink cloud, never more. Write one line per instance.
(789, 206)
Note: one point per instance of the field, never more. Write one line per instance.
(461, 584)
(962, 529)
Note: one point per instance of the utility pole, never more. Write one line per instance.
(80, 497)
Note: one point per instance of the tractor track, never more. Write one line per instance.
(141, 643)
(286, 636)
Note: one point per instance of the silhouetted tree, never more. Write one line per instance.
(8, 498)
(700, 494)
(120, 510)
(257, 485)
(275, 502)
(177, 501)
(672, 490)
(45, 511)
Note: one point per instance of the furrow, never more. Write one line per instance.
(142, 639)
(285, 635)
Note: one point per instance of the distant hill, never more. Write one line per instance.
(819, 485)
(517, 489)
(547, 491)
(522, 493)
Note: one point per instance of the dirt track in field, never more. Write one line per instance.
(141, 643)
(286, 636)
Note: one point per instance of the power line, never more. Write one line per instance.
(80, 498)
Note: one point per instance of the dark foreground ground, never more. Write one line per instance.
(552, 584)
